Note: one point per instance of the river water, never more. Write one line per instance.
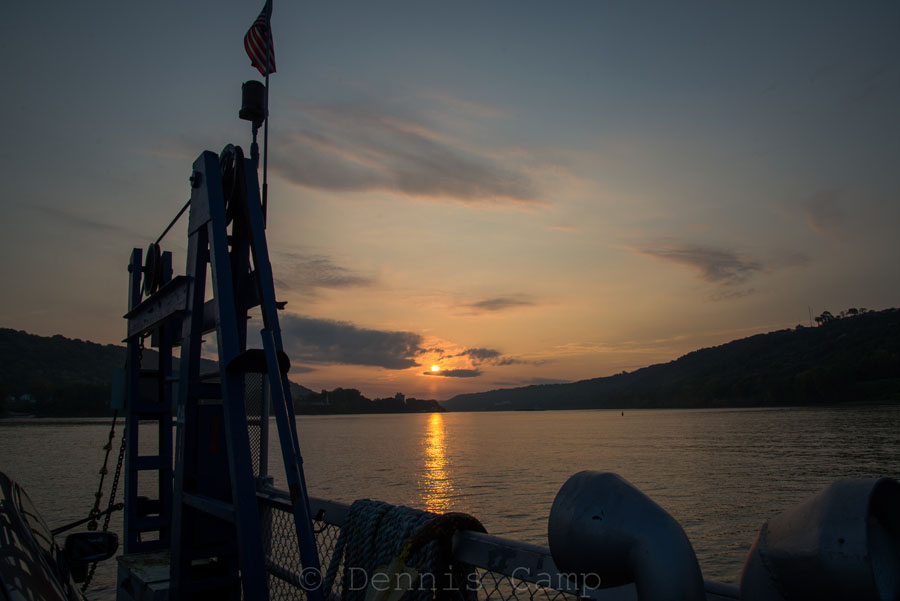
(720, 473)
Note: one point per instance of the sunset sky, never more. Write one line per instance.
(515, 191)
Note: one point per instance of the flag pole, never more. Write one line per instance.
(265, 185)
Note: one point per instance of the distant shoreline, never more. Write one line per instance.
(59, 421)
(826, 405)
(100, 421)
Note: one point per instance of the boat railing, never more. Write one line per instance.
(504, 569)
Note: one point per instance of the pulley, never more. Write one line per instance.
(231, 162)
(152, 270)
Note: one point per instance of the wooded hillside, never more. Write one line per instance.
(844, 359)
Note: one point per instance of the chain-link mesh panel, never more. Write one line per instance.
(283, 554)
(493, 586)
(326, 540)
(254, 395)
(283, 564)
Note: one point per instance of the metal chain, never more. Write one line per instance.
(95, 510)
(115, 482)
(112, 500)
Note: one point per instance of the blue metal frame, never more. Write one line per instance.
(279, 387)
(217, 534)
(144, 515)
(228, 551)
(207, 513)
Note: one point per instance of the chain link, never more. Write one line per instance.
(95, 510)
(112, 500)
(92, 525)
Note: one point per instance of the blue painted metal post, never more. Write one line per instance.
(293, 466)
(132, 395)
(164, 449)
(253, 574)
(187, 414)
(279, 387)
(216, 519)
(211, 519)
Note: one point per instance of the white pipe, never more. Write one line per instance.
(606, 530)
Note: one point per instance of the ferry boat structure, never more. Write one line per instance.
(217, 528)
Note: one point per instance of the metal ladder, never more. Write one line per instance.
(149, 405)
(217, 549)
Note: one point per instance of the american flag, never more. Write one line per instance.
(259, 39)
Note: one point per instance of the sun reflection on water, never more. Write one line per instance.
(435, 485)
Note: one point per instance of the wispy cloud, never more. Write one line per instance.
(500, 303)
(85, 223)
(730, 294)
(454, 373)
(463, 106)
(310, 272)
(824, 212)
(626, 347)
(538, 381)
(319, 341)
(348, 148)
(637, 353)
(530, 382)
(715, 265)
(788, 258)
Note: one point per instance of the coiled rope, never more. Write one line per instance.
(375, 533)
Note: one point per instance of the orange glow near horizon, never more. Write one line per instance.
(435, 368)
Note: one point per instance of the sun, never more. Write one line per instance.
(435, 368)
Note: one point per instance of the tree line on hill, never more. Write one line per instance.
(57, 376)
(351, 400)
(852, 356)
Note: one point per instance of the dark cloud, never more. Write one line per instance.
(716, 265)
(487, 355)
(824, 212)
(356, 149)
(500, 303)
(455, 373)
(480, 354)
(512, 361)
(309, 340)
(311, 272)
